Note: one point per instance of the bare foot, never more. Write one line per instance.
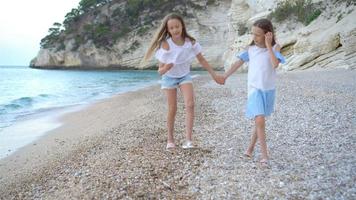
(264, 163)
(248, 154)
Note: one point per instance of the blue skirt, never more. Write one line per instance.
(260, 102)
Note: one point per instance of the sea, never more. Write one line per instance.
(32, 99)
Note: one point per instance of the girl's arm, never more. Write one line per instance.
(163, 68)
(206, 65)
(274, 59)
(233, 68)
(268, 42)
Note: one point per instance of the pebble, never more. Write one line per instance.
(310, 136)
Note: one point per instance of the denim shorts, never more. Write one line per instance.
(170, 82)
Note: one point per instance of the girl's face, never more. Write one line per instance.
(258, 36)
(175, 28)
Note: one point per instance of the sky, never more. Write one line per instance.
(24, 23)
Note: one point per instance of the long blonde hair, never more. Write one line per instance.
(162, 34)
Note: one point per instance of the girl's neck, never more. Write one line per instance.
(261, 46)
(178, 41)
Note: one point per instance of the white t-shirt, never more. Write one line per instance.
(180, 56)
(261, 73)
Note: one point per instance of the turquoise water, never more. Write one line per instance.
(26, 91)
(32, 99)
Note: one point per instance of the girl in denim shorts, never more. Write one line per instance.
(175, 50)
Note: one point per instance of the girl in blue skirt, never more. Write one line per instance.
(263, 57)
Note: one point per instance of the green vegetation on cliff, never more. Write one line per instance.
(304, 10)
(104, 22)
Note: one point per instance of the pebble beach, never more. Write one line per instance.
(115, 149)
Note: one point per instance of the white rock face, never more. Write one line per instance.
(209, 27)
(223, 31)
(329, 41)
(326, 42)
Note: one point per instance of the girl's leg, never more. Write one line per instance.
(188, 94)
(261, 135)
(172, 110)
(251, 147)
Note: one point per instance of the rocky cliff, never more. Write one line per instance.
(206, 20)
(221, 27)
(327, 42)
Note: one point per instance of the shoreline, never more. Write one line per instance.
(43, 121)
(116, 148)
(31, 128)
(58, 137)
(49, 120)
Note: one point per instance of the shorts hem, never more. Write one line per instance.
(167, 87)
(185, 82)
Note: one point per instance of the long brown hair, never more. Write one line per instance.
(162, 34)
(266, 26)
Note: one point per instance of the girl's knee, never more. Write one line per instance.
(172, 108)
(189, 105)
(260, 120)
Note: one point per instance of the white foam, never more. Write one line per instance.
(30, 129)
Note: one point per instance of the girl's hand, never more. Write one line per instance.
(165, 68)
(219, 79)
(225, 76)
(268, 39)
(161, 70)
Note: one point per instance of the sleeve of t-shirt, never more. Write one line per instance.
(196, 48)
(243, 56)
(279, 56)
(163, 56)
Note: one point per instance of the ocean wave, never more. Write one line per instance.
(24, 103)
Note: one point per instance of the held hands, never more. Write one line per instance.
(268, 39)
(220, 79)
(165, 68)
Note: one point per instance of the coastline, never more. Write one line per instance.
(115, 148)
(28, 113)
(61, 141)
(31, 128)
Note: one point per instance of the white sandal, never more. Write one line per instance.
(188, 145)
(170, 145)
